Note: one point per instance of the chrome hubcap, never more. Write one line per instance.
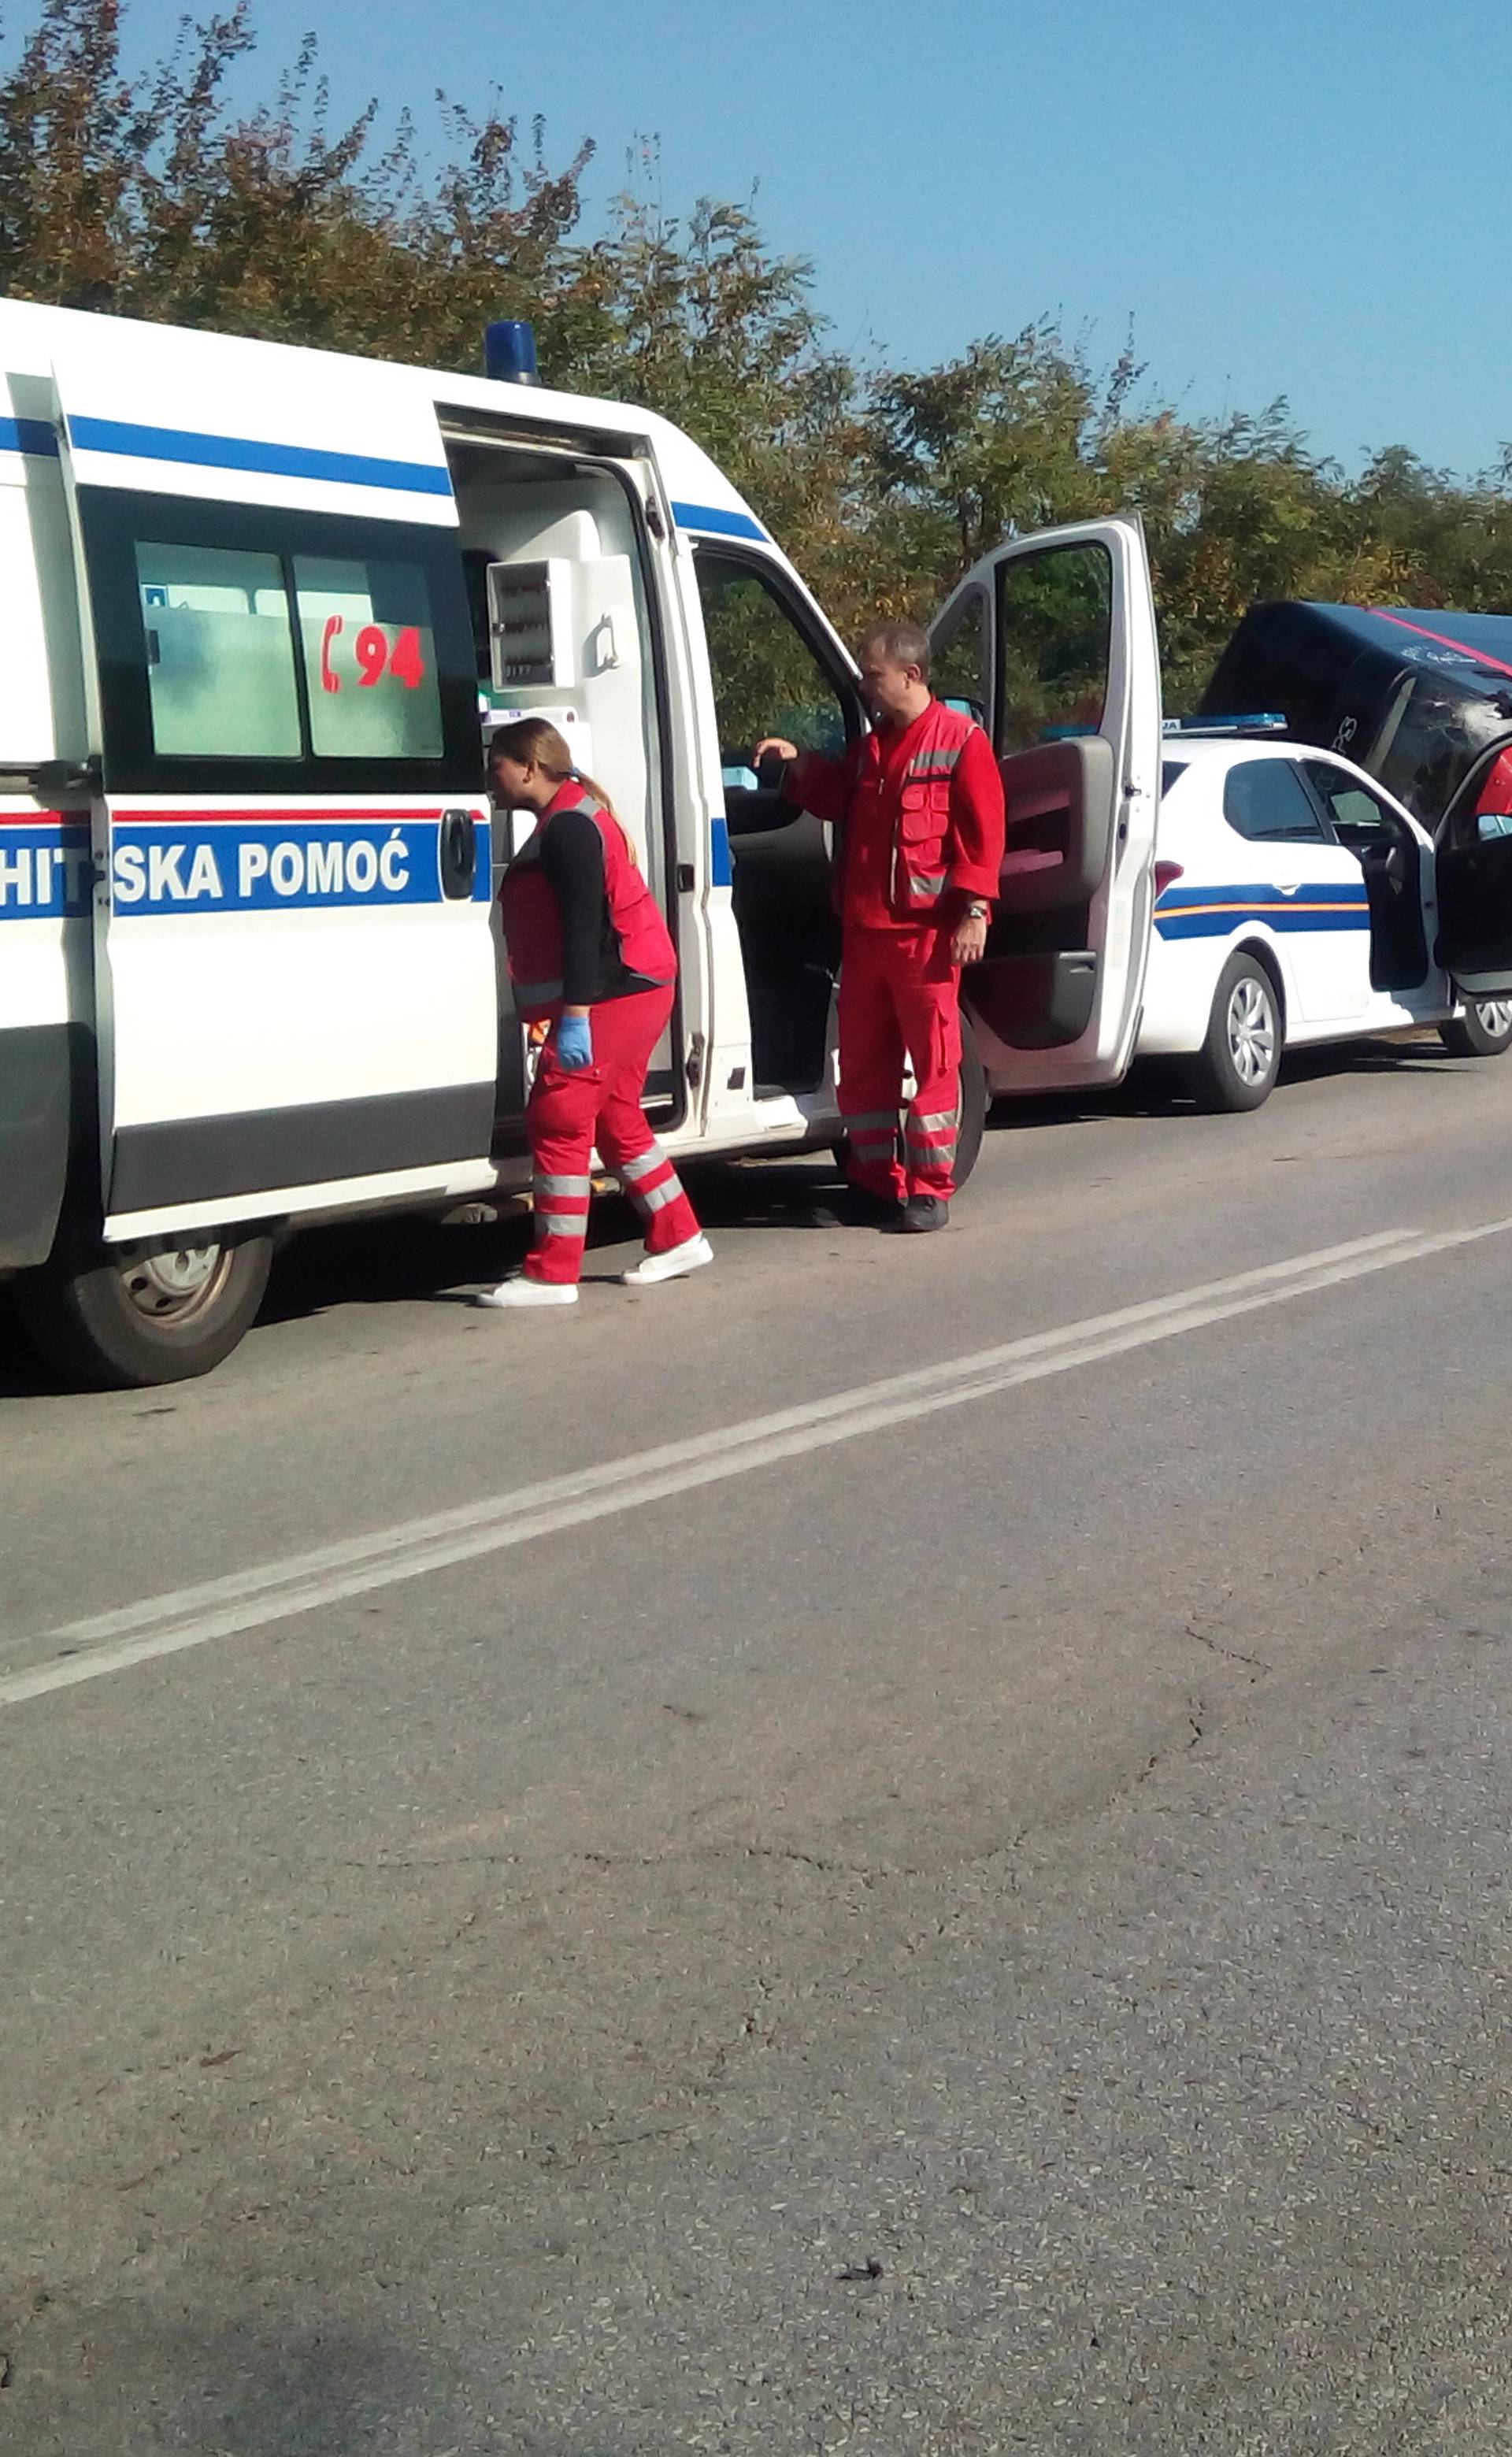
(170, 1286)
(1251, 1031)
(1495, 1014)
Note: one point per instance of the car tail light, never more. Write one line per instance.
(1167, 874)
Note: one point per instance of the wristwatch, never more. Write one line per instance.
(977, 909)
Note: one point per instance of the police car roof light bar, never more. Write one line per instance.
(1268, 722)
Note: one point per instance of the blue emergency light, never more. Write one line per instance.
(1267, 723)
(509, 351)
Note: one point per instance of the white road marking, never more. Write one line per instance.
(160, 1625)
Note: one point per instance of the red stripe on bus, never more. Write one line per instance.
(1477, 656)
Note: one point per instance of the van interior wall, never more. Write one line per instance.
(582, 519)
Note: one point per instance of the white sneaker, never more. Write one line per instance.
(675, 1265)
(521, 1291)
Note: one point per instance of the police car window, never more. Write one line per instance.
(1359, 818)
(767, 677)
(369, 647)
(1055, 619)
(1266, 801)
(219, 652)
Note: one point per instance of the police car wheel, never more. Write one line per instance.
(1484, 1030)
(143, 1315)
(1238, 1062)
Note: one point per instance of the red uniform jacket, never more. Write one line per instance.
(634, 950)
(918, 811)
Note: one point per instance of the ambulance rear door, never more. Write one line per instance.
(297, 998)
(1053, 639)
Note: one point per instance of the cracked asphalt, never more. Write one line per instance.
(992, 1936)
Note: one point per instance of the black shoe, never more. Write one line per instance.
(923, 1212)
(856, 1207)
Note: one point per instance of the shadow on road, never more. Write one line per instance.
(389, 1260)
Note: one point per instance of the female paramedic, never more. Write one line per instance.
(591, 959)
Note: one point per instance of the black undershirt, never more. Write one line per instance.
(593, 967)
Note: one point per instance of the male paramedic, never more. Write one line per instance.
(917, 807)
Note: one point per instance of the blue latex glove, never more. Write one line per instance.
(574, 1042)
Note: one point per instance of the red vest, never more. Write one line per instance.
(913, 802)
(532, 918)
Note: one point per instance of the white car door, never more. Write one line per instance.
(1306, 888)
(1391, 861)
(1061, 629)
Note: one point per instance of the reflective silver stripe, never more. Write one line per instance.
(535, 993)
(926, 883)
(547, 1184)
(872, 1118)
(561, 1224)
(659, 1196)
(934, 1122)
(863, 1148)
(931, 763)
(629, 1169)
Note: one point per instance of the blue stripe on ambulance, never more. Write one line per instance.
(31, 435)
(185, 446)
(1218, 912)
(45, 869)
(168, 865)
(722, 872)
(717, 524)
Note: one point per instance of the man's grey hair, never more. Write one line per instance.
(902, 644)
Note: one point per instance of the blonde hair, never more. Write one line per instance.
(535, 743)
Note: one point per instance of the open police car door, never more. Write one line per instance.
(1053, 639)
(295, 973)
(1473, 881)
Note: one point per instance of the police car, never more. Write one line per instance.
(1215, 896)
(1296, 902)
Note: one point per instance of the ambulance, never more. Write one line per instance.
(261, 605)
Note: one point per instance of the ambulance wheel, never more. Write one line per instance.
(1484, 1030)
(125, 1320)
(972, 1102)
(1237, 1064)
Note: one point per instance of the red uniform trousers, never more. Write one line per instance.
(900, 994)
(571, 1110)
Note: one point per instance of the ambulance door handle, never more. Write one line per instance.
(459, 854)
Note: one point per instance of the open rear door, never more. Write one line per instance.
(1473, 879)
(295, 975)
(1060, 629)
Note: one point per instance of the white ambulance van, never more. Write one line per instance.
(258, 602)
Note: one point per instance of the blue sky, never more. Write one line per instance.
(1298, 196)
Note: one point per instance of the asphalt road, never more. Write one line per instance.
(669, 1898)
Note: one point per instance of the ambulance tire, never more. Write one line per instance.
(1484, 1030)
(1237, 1064)
(973, 1101)
(129, 1321)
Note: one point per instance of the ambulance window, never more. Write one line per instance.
(219, 652)
(369, 647)
(768, 677)
(1055, 616)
